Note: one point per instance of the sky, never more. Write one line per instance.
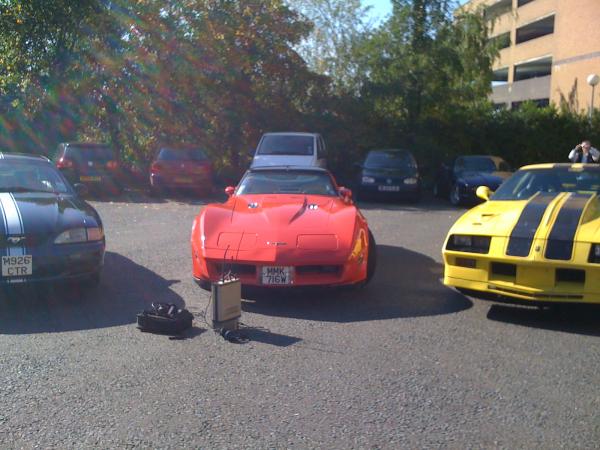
(381, 8)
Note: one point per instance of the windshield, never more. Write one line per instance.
(90, 153)
(476, 164)
(275, 144)
(169, 154)
(389, 160)
(31, 177)
(287, 182)
(525, 183)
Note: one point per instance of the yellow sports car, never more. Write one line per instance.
(536, 240)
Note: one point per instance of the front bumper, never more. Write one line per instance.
(524, 281)
(394, 189)
(303, 275)
(62, 263)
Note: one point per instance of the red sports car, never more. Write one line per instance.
(284, 227)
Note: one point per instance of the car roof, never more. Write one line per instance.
(288, 168)
(389, 150)
(23, 157)
(290, 133)
(180, 146)
(561, 166)
(494, 157)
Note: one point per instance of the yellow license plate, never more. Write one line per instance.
(183, 180)
(89, 178)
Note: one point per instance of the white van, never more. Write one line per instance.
(290, 149)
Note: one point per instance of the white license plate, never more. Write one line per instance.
(275, 275)
(17, 266)
(389, 188)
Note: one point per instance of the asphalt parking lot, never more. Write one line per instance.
(402, 363)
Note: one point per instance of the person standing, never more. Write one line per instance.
(584, 153)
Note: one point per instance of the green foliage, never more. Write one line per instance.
(339, 28)
(218, 73)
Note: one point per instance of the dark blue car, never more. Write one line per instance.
(458, 178)
(389, 174)
(47, 232)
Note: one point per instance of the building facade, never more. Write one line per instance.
(548, 48)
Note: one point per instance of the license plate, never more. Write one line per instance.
(89, 178)
(275, 275)
(17, 266)
(183, 180)
(389, 188)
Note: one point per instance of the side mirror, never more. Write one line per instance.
(346, 193)
(483, 192)
(251, 153)
(229, 190)
(81, 189)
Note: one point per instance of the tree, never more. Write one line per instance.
(424, 62)
(339, 26)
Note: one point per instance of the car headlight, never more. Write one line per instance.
(595, 254)
(410, 181)
(368, 180)
(469, 243)
(76, 235)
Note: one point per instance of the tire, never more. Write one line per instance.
(371, 258)
(454, 195)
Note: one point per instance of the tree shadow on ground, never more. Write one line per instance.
(406, 284)
(575, 319)
(125, 290)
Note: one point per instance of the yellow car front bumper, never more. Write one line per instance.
(523, 279)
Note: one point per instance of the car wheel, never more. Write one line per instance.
(455, 195)
(371, 258)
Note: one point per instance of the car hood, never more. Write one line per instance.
(44, 213)
(282, 160)
(489, 179)
(246, 225)
(560, 214)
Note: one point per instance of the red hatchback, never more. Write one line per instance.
(181, 168)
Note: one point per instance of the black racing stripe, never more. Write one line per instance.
(521, 238)
(560, 240)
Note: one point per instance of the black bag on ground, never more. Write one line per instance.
(164, 318)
